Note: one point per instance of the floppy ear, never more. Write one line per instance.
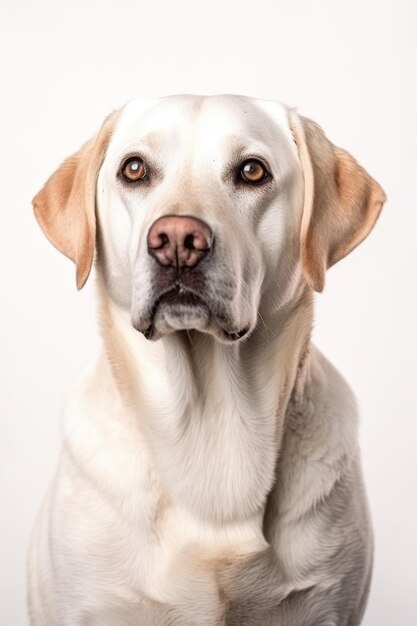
(65, 206)
(341, 201)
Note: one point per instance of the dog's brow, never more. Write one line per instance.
(244, 150)
(239, 145)
(152, 140)
(148, 147)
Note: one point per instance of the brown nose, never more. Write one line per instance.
(179, 240)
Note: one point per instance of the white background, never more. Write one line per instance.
(349, 65)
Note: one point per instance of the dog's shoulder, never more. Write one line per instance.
(321, 434)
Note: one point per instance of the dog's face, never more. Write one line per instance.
(211, 211)
(199, 211)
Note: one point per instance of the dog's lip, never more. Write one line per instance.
(176, 294)
(179, 294)
(236, 334)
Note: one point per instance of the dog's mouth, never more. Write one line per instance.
(186, 309)
(178, 296)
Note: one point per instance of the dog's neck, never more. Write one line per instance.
(212, 414)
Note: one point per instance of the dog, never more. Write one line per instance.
(210, 472)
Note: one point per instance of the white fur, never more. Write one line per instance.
(170, 447)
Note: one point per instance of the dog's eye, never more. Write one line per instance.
(253, 171)
(134, 169)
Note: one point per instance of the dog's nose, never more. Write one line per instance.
(179, 240)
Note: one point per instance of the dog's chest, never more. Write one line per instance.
(165, 553)
(149, 554)
(130, 536)
(128, 529)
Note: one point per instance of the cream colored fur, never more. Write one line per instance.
(204, 481)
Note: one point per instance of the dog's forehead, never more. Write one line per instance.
(208, 120)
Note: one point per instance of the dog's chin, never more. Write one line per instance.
(169, 318)
(175, 312)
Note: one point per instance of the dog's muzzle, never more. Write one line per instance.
(181, 300)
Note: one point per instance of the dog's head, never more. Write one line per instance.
(207, 211)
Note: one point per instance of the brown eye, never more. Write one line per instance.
(253, 171)
(134, 169)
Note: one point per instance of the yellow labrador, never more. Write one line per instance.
(210, 472)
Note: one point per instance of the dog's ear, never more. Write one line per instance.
(341, 201)
(65, 206)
